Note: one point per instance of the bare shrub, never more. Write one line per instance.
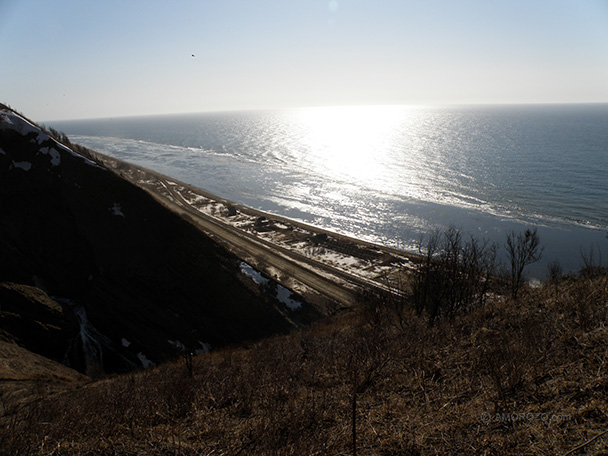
(508, 357)
(357, 382)
(388, 307)
(453, 274)
(585, 302)
(522, 249)
(369, 352)
(555, 274)
(591, 265)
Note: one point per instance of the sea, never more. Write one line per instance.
(392, 174)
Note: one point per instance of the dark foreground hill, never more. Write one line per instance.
(511, 377)
(97, 275)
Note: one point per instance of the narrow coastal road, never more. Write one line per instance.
(333, 283)
(330, 282)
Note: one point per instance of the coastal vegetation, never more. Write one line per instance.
(525, 375)
(454, 273)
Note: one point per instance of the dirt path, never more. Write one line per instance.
(246, 245)
(333, 283)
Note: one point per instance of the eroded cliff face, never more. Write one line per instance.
(34, 321)
(121, 270)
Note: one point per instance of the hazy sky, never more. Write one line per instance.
(66, 59)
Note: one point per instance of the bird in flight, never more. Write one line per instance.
(192, 55)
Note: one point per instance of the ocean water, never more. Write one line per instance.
(391, 174)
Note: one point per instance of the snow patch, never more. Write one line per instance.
(145, 361)
(125, 343)
(13, 121)
(4, 117)
(116, 209)
(2, 152)
(341, 259)
(198, 199)
(22, 126)
(284, 296)
(24, 165)
(89, 336)
(55, 157)
(205, 348)
(407, 264)
(177, 344)
(254, 275)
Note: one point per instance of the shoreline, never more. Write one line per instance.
(328, 269)
(563, 242)
(395, 203)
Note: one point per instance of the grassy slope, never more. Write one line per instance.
(26, 377)
(526, 377)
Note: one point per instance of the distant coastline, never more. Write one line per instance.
(485, 169)
(320, 265)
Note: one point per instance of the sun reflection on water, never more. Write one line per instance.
(362, 145)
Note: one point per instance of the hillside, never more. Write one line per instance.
(27, 377)
(98, 275)
(509, 378)
(108, 269)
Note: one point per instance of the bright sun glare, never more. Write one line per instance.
(349, 142)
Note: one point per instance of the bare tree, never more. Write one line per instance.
(522, 249)
(555, 274)
(371, 353)
(590, 265)
(453, 274)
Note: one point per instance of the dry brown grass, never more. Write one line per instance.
(511, 378)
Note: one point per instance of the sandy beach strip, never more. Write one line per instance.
(327, 268)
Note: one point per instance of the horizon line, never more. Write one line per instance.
(329, 106)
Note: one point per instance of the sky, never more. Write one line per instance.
(69, 59)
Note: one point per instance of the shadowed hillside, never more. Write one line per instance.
(98, 275)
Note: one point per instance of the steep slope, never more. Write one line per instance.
(525, 377)
(30, 318)
(26, 377)
(139, 281)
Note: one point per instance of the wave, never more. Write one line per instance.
(479, 167)
(184, 160)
